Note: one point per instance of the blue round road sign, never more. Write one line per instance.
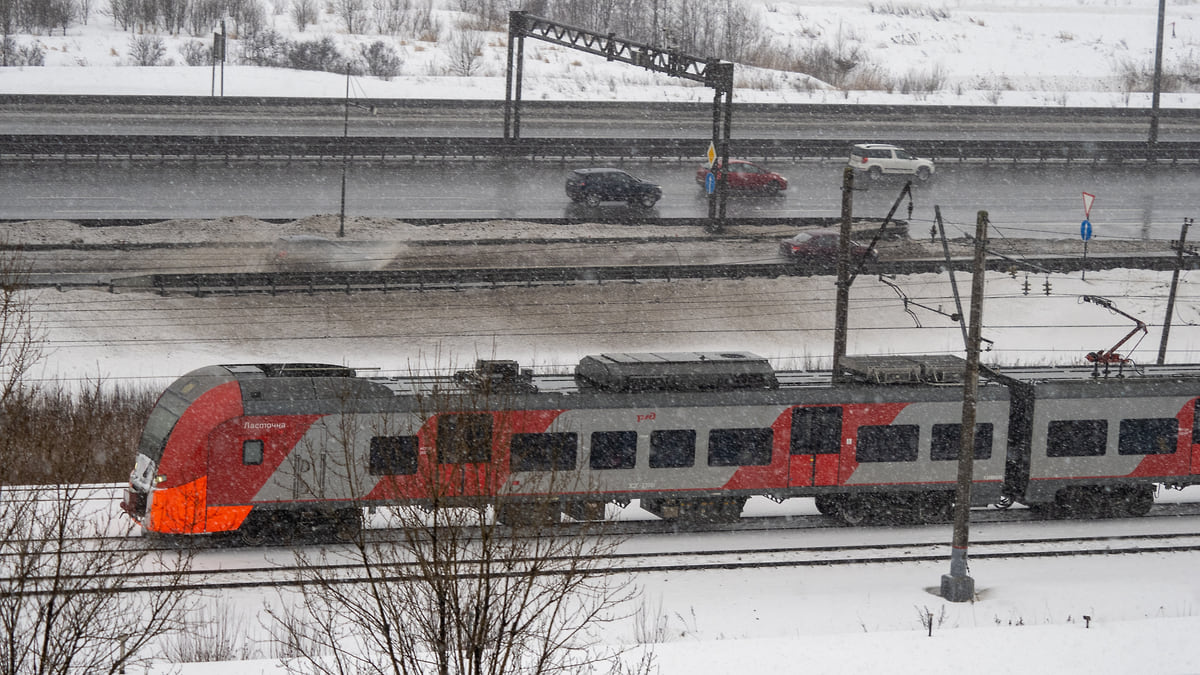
(1085, 230)
(710, 183)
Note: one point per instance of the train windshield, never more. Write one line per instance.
(176, 399)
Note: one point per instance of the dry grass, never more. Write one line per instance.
(59, 436)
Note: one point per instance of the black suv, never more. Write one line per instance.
(593, 186)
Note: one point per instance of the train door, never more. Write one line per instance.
(1195, 444)
(307, 464)
(815, 446)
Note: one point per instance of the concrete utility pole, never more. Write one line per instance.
(842, 308)
(1179, 249)
(958, 586)
(1152, 150)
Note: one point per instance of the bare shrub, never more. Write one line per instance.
(267, 48)
(212, 633)
(381, 60)
(304, 12)
(464, 52)
(321, 54)
(922, 83)
(353, 14)
(196, 53)
(146, 50)
(906, 10)
(479, 584)
(869, 78)
(13, 54)
(1136, 76)
(66, 605)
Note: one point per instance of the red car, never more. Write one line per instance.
(820, 246)
(745, 175)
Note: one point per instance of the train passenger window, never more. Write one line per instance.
(1148, 436)
(1076, 438)
(544, 452)
(252, 452)
(817, 431)
(613, 450)
(739, 447)
(393, 456)
(672, 448)
(947, 440)
(1196, 421)
(888, 443)
(464, 438)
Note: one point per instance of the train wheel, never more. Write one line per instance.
(1138, 501)
(935, 508)
(854, 510)
(827, 505)
(283, 527)
(347, 524)
(1081, 502)
(252, 533)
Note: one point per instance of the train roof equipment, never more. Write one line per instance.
(676, 371)
(1111, 356)
(921, 369)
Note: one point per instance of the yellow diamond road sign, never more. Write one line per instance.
(712, 154)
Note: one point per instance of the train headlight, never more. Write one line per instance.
(159, 479)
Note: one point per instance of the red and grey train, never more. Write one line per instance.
(271, 448)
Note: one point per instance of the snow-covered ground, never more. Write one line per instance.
(1029, 614)
(1028, 617)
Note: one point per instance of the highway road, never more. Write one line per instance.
(1024, 200)
(566, 119)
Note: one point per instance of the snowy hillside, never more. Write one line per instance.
(1043, 52)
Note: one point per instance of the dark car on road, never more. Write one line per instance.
(593, 186)
(821, 246)
(746, 176)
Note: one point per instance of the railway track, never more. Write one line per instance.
(246, 570)
(435, 264)
(274, 283)
(926, 545)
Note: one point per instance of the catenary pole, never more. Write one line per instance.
(842, 307)
(958, 586)
(1179, 248)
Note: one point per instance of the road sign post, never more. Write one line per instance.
(1085, 229)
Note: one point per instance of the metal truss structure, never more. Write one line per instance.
(667, 60)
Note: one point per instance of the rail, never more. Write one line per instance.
(433, 279)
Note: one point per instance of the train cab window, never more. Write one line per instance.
(672, 448)
(1149, 436)
(947, 441)
(739, 447)
(817, 431)
(613, 450)
(1076, 438)
(464, 438)
(888, 443)
(393, 456)
(252, 452)
(544, 452)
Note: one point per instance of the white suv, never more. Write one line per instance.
(879, 158)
